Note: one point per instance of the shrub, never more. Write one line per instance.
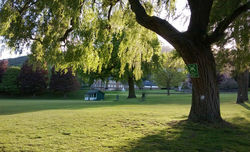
(9, 83)
(63, 82)
(3, 68)
(32, 80)
(228, 84)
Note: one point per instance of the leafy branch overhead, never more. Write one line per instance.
(79, 25)
(77, 34)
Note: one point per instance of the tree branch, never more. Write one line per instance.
(109, 12)
(160, 26)
(223, 25)
(200, 11)
(26, 6)
(67, 32)
(36, 39)
(64, 37)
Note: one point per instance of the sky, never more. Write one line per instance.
(179, 23)
(6, 53)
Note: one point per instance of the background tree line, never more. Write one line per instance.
(34, 79)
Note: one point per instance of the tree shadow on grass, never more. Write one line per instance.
(22, 105)
(15, 106)
(186, 136)
(49, 102)
(245, 106)
(9, 106)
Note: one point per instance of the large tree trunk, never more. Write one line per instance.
(168, 88)
(131, 90)
(205, 94)
(242, 80)
(107, 85)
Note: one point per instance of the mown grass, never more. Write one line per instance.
(156, 124)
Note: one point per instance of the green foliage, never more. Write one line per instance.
(238, 56)
(172, 71)
(9, 83)
(168, 6)
(136, 44)
(79, 34)
(222, 8)
(135, 50)
(42, 25)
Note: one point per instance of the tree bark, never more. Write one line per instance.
(131, 90)
(205, 95)
(242, 80)
(168, 88)
(107, 85)
(64, 95)
(168, 91)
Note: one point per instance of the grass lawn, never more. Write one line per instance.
(157, 124)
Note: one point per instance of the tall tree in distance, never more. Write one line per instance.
(137, 47)
(133, 49)
(242, 63)
(242, 80)
(63, 81)
(32, 79)
(237, 57)
(171, 72)
(3, 68)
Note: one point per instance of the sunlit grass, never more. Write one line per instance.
(157, 124)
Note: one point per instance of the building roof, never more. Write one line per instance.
(148, 83)
(94, 91)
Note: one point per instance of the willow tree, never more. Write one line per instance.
(78, 34)
(134, 48)
(171, 71)
(74, 34)
(66, 33)
(237, 57)
(137, 46)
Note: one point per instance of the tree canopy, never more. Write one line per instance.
(77, 34)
